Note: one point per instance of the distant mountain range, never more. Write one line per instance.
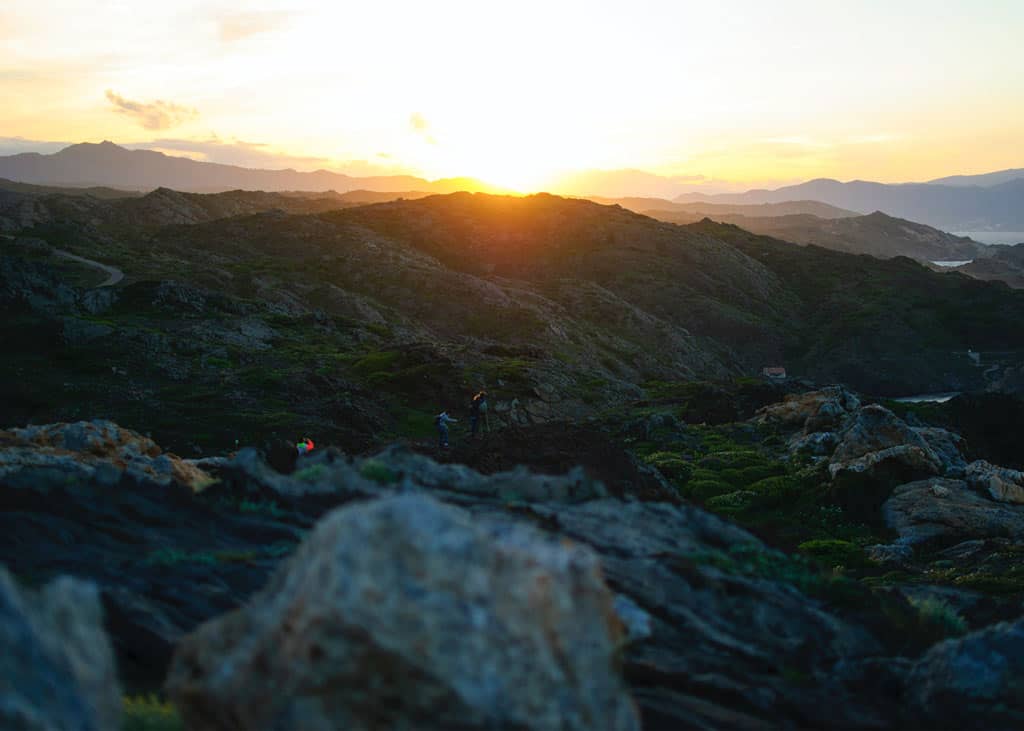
(110, 165)
(984, 204)
(992, 201)
(984, 180)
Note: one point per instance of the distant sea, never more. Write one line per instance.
(994, 237)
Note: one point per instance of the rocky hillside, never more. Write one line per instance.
(887, 326)
(161, 207)
(360, 324)
(860, 569)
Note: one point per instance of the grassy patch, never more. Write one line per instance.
(378, 472)
(149, 713)
(937, 619)
(831, 552)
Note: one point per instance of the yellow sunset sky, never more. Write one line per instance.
(724, 95)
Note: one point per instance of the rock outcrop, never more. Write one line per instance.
(811, 411)
(999, 483)
(406, 613)
(877, 443)
(56, 664)
(99, 449)
(975, 682)
(942, 511)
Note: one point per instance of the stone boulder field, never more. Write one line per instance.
(822, 562)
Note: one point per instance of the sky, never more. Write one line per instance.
(711, 96)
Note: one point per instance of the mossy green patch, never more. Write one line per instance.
(149, 713)
(378, 472)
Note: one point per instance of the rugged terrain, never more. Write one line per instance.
(849, 545)
(359, 324)
(876, 234)
(648, 532)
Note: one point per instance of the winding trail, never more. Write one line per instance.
(115, 274)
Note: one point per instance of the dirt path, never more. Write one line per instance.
(115, 274)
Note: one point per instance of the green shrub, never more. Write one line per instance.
(377, 471)
(731, 502)
(832, 552)
(703, 489)
(149, 713)
(777, 487)
(757, 472)
(671, 465)
(702, 473)
(262, 507)
(937, 618)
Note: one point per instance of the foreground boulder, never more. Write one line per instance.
(406, 613)
(973, 682)
(56, 664)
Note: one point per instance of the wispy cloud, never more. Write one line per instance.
(421, 127)
(153, 115)
(239, 26)
(258, 155)
(233, 152)
(872, 139)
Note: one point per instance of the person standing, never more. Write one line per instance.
(442, 421)
(478, 412)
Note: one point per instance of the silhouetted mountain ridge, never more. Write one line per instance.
(107, 164)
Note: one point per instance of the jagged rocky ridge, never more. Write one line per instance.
(717, 628)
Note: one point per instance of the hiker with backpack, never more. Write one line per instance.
(478, 411)
(442, 421)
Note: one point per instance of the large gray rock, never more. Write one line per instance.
(950, 448)
(406, 613)
(999, 483)
(874, 428)
(974, 682)
(56, 665)
(877, 444)
(721, 627)
(944, 511)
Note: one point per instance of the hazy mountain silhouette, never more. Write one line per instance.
(107, 164)
(984, 180)
(949, 207)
